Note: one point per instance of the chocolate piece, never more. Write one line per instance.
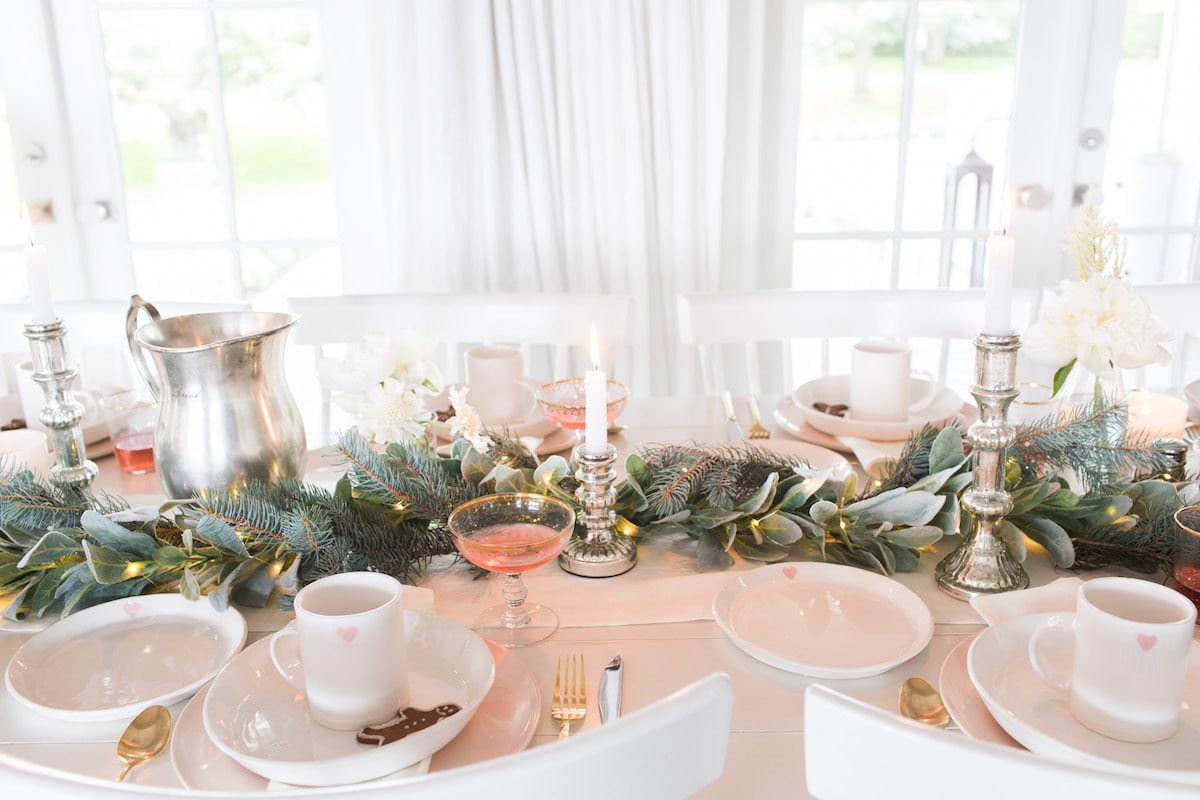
(411, 720)
(837, 409)
(13, 425)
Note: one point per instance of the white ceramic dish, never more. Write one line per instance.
(818, 458)
(966, 707)
(503, 724)
(789, 418)
(1037, 716)
(823, 620)
(115, 659)
(834, 389)
(276, 737)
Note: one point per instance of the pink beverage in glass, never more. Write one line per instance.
(1187, 579)
(134, 452)
(513, 547)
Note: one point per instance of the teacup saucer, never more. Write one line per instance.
(532, 424)
(274, 735)
(1037, 716)
(835, 389)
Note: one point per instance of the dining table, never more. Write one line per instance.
(658, 617)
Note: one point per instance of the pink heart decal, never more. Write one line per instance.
(1146, 641)
(789, 573)
(348, 634)
(132, 608)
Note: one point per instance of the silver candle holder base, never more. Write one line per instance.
(600, 552)
(55, 373)
(982, 563)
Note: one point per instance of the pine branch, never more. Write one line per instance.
(913, 462)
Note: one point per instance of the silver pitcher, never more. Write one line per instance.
(226, 415)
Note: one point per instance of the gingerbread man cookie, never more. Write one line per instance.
(411, 720)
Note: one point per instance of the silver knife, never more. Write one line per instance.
(733, 431)
(610, 691)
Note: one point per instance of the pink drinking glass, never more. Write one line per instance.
(563, 402)
(512, 534)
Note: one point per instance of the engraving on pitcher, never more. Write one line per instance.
(226, 415)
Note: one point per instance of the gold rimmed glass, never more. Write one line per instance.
(563, 402)
(512, 534)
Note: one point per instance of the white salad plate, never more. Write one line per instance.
(834, 389)
(113, 660)
(823, 620)
(503, 724)
(966, 707)
(534, 423)
(258, 719)
(788, 417)
(817, 458)
(1037, 715)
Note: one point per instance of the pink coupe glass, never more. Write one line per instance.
(563, 402)
(511, 534)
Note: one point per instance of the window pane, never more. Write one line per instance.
(162, 104)
(851, 84)
(962, 102)
(202, 276)
(1158, 259)
(937, 263)
(276, 115)
(14, 287)
(1153, 168)
(270, 277)
(841, 264)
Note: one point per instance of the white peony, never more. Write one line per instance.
(383, 382)
(466, 423)
(1103, 323)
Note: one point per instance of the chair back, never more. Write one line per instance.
(800, 330)
(670, 749)
(912, 761)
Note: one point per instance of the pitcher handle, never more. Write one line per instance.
(140, 359)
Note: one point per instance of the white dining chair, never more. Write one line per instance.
(788, 320)
(854, 750)
(550, 328)
(670, 749)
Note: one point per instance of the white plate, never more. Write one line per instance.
(1037, 716)
(823, 620)
(115, 659)
(275, 737)
(503, 724)
(788, 417)
(834, 389)
(963, 702)
(818, 458)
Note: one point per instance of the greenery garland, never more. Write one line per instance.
(61, 550)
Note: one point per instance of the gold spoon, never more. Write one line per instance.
(145, 738)
(920, 701)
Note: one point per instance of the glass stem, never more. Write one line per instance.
(515, 615)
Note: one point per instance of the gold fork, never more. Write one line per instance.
(570, 695)
(757, 431)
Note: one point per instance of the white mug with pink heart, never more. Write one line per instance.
(345, 649)
(1130, 639)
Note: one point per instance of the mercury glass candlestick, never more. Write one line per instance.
(982, 563)
(55, 373)
(600, 552)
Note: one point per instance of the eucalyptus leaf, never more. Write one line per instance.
(824, 512)
(94, 595)
(475, 466)
(946, 452)
(761, 498)
(141, 514)
(910, 508)
(508, 479)
(934, 482)
(725, 535)
(959, 482)
(255, 589)
(947, 520)
(709, 518)
(906, 560)
(635, 466)
(552, 470)
(189, 586)
(1051, 536)
(44, 593)
(218, 596)
(1104, 511)
(218, 532)
(1028, 498)
(459, 449)
(169, 556)
(107, 565)
(1013, 538)
(752, 552)
(669, 528)
(115, 537)
(778, 529)
(21, 537)
(52, 548)
(796, 496)
(710, 555)
(918, 536)
(678, 516)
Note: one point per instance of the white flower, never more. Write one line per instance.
(466, 423)
(391, 411)
(1103, 323)
(383, 382)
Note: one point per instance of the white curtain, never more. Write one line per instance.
(643, 147)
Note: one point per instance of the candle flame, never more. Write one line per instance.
(595, 349)
(27, 221)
